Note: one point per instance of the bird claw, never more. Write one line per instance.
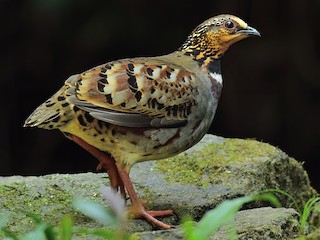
(150, 216)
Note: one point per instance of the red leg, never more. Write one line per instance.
(137, 207)
(106, 162)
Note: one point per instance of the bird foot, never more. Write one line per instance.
(150, 216)
(137, 210)
(119, 179)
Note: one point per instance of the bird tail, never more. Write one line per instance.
(41, 117)
(50, 114)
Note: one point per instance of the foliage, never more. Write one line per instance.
(222, 214)
(304, 216)
(304, 213)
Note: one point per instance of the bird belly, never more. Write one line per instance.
(126, 145)
(131, 145)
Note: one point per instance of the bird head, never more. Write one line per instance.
(212, 38)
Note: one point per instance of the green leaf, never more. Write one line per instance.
(42, 229)
(50, 233)
(267, 197)
(95, 211)
(38, 233)
(308, 207)
(34, 217)
(276, 190)
(188, 228)
(213, 219)
(3, 221)
(66, 228)
(9, 234)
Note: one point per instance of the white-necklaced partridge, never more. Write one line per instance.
(146, 108)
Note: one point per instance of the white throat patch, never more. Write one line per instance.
(217, 77)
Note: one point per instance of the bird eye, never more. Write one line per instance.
(229, 24)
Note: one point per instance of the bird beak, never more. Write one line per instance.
(249, 31)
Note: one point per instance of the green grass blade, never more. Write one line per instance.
(42, 229)
(308, 207)
(66, 228)
(3, 221)
(188, 226)
(50, 232)
(267, 197)
(213, 219)
(276, 190)
(95, 211)
(222, 214)
(34, 217)
(9, 234)
(38, 233)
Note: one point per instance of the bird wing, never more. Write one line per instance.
(136, 93)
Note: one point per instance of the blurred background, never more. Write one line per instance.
(271, 84)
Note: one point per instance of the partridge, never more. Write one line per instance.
(147, 108)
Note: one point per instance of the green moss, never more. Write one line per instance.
(209, 164)
(49, 198)
(311, 236)
(148, 195)
(49, 204)
(134, 237)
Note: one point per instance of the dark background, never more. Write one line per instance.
(271, 84)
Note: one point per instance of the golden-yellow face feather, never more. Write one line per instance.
(228, 29)
(214, 36)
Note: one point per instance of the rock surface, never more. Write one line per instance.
(253, 224)
(191, 183)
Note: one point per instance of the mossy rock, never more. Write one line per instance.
(315, 216)
(253, 224)
(314, 235)
(191, 183)
(217, 169)
(48, 197)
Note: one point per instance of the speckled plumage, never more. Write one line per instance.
(142, 109)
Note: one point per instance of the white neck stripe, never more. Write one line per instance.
(217, 77)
